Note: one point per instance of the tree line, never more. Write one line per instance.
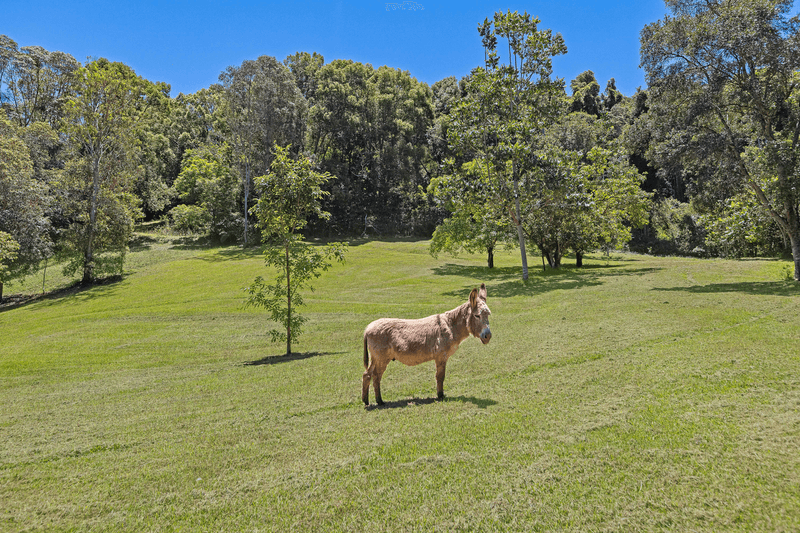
(702, 161)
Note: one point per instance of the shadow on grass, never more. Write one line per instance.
(97, 289)
(278, 359)
(759, 288)
(411, 402)
(362, 240)
(141, 243)
(193, 242)
(234, 253)
(507, 281)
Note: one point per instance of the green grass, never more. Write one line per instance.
(635, 394)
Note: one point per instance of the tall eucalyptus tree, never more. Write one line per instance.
(100, 124)
(262, 107)
(507, 105)
(725, 88)
(34, 82)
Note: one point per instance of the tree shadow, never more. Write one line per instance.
(361, 240)
(99, 288)
(141, 243)
(192, 242)
(759, 288)
(507, 281)
(412, 402)
(278, 359)
(232, 254)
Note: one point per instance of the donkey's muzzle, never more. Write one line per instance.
(486, 336)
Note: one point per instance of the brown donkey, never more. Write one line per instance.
(412, 342)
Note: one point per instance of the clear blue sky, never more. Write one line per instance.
(187, 43)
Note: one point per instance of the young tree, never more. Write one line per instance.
(288, 196)
(724, 86)
(475, 225)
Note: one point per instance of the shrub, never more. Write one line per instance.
(189, 218)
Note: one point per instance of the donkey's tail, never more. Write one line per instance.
(366, 353)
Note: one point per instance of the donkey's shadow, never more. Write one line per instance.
(412, 402)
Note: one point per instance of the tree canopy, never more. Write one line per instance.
(723, 78)
(507, 155)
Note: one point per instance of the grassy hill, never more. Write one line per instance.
(637, 393)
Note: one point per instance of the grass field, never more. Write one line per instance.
(635, 394)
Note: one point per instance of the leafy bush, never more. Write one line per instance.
(189, 218)
(740, 227)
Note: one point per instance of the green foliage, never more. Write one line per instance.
(504, 108)
(740, 228)
(24, 200)
(476, 225)
(304, 67)
(100, 125)
(288, 196)
(158, 149)
(208, 184)
(37, 83)
(618, 202)
(298, 264)
(262, 106)
(189, 218)
(369, 128)
(723, 100)
(464, 233)
(586, 94)
(8, 254)
(116, 212)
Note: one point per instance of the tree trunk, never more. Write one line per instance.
(793, 224)
(88, 253)
(1, 291)
(246, 197)
(288, 305)
(518, 222)
(578, 259)
(547, 256)
(490, 260)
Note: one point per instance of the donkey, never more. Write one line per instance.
(412, 342)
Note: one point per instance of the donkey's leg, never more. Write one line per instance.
(365, 379)
(440, 366)
(377, 374)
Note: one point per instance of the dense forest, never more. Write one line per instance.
(703, 161)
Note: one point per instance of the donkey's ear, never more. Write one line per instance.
(482, 293)
(473, 298)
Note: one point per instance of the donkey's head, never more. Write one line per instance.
(478, 321)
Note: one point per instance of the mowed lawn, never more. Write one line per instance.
(634, 394)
